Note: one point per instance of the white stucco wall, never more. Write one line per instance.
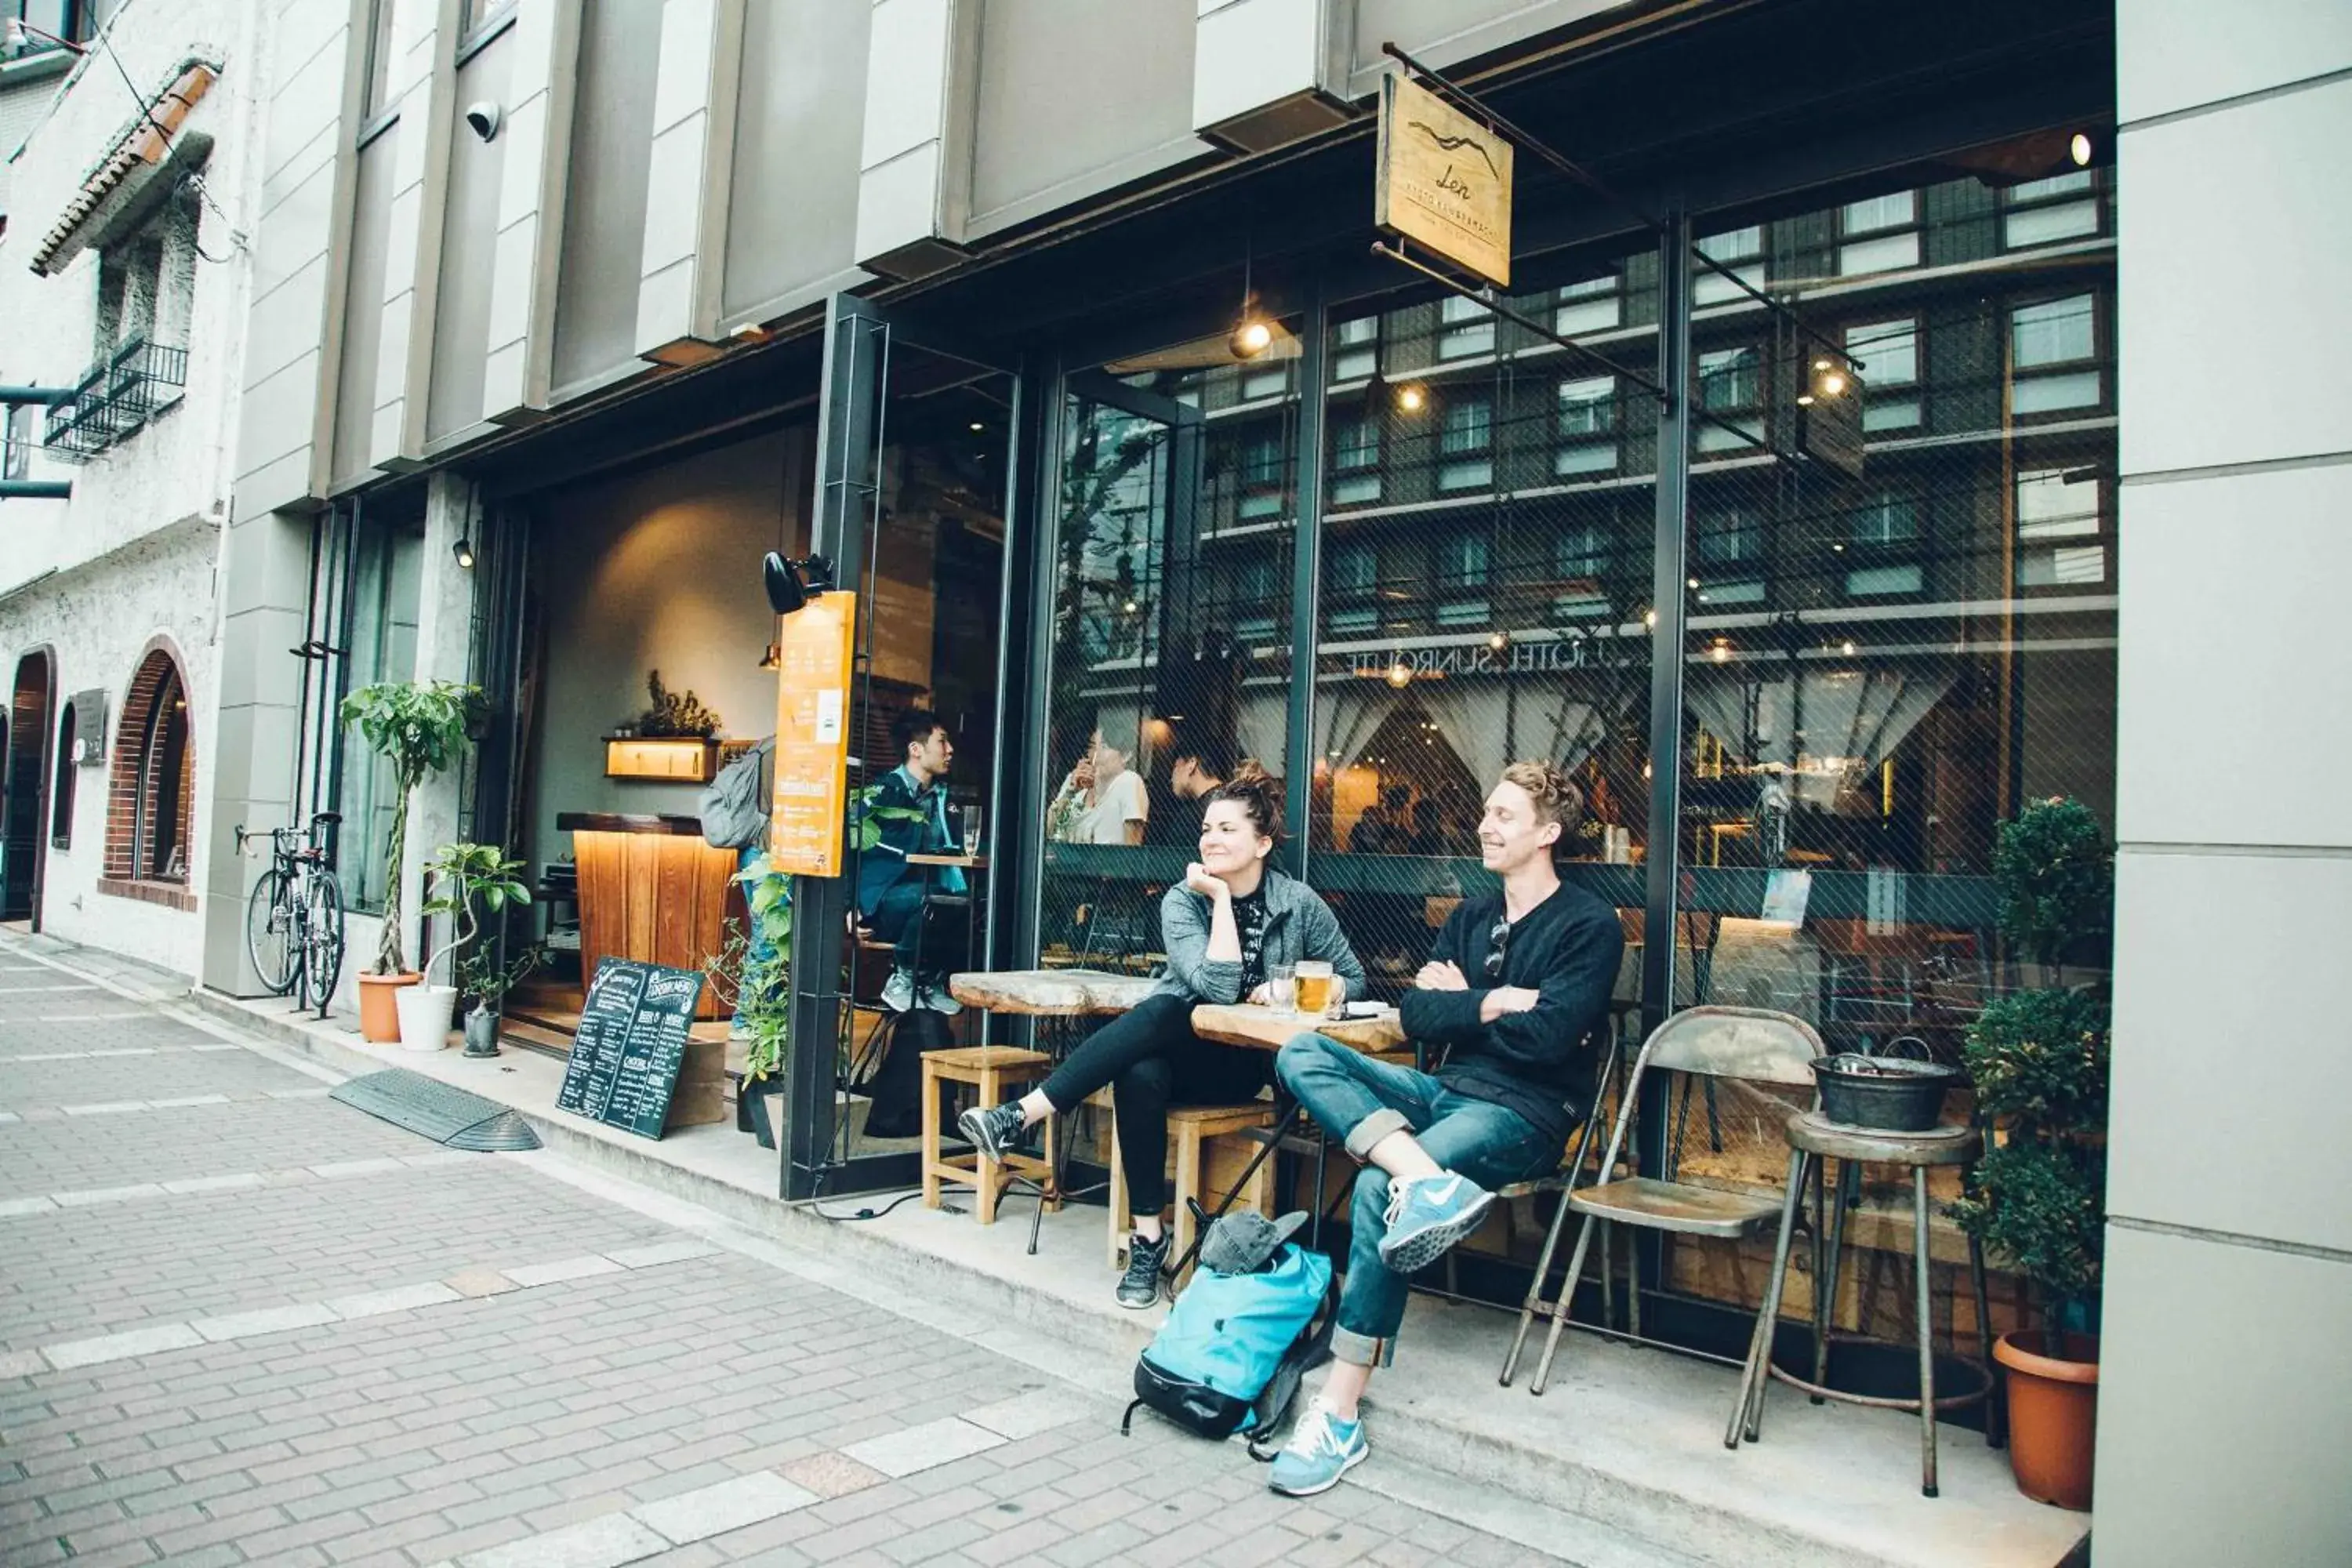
(96, 620)
(134, 553)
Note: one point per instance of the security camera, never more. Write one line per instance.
(482, 119)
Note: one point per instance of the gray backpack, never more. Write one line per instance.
(734, 816)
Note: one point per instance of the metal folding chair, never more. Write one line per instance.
(1746, 1044)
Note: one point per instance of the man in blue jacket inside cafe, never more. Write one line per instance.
(910, 807)
(1514, 1003)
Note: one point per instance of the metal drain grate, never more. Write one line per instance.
(453, 1117)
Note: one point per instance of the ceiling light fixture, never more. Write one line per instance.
(1411, 399)
(2079, 149)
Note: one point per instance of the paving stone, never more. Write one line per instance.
(214, 1184)
(605, 1542)
(729, 1505)
(530, 1274)
(266, 1321)
(1026, 1415)
(903, 1452)
(400, 1298)
(660, 1252)
(11, 1206)
(480, 1282)
(121, 1346)
(89, 1196)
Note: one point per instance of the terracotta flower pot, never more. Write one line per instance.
(379, 1017)
(2052, 1415)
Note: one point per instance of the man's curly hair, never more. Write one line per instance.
(1555, 793)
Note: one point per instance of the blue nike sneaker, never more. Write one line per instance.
(1429, 1215)
(1321, 1449)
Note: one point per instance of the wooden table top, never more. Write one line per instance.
(1245, 1024)
(1049, 993)
(967, 862)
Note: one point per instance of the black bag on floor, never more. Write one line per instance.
(894, 1078)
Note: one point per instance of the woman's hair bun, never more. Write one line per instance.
(1258, 794)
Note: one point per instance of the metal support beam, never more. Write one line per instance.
(36, 490)
(1305, 554)
(46, 396)
(1670, 546)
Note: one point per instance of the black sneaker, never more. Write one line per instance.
(1140, 1287)
(993, 1130)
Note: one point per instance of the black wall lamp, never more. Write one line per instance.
(793, 584)
(464, 553)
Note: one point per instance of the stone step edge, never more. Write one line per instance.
(1682, 1523)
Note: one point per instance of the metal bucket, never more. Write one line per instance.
(1886, 1094)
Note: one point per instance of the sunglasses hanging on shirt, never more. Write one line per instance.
(1499, 944)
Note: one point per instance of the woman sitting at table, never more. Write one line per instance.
(1232, 918)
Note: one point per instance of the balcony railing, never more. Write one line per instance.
(118, 395)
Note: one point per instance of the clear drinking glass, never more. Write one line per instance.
(1281, 988)
(1314, 985)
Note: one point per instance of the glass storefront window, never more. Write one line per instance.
(387, 581)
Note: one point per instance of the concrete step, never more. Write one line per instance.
(1621, 1462)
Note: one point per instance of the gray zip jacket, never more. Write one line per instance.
(1298, 924)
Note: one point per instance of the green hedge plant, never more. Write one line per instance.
(2039, 1059)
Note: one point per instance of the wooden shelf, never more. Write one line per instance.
(683, 759)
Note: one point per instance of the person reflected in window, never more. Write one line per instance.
(1102, 799)
(1232, 918)
(892, 894)
(1197, 770)
(1371, 833)
(1515, 997)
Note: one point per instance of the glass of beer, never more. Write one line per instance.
(1314, 983)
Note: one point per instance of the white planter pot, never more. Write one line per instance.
(425, 1012)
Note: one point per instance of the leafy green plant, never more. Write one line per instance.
(2039, 1059)
(466, 882)
(481, 977)
(2056, 874)
(754, 968)
(420, 727)
(867, 815)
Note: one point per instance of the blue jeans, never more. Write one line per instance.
(760, 950)
(1363, 1102)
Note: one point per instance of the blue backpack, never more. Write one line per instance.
(1231, 1355)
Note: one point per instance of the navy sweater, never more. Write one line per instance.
(1540, 1063)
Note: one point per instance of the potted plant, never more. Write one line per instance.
(754, 968)
(2037, 1199)
(461, 880)
(420, 727)
(481, 977)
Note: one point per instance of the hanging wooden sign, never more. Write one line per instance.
(1442, 179)
(812, 758)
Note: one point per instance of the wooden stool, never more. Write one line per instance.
(1189, 1127)
(991, 1070)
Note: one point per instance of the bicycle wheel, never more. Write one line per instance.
(323, 937)
(270, 939)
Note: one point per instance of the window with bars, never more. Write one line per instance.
(1262, 468)
(2060, 528)
(1588, 426)
(2043, 212)
(1731, 387)
(1355, 461)
(1740, 249)
(1580, 562)
(1880, 235)
(1889, 353)
(1595, 305)
(1730, 548)
(1354, 348)
(2054, 355)
(1883, 540)
(1465, 445)
(1465, 328)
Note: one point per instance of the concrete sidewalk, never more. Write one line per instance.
(1627, 1446)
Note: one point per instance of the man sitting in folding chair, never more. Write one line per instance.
(1517, 993)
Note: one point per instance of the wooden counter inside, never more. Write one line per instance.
(650, 889)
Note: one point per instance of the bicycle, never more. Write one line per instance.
(294, 918)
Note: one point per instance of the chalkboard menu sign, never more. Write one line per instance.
(630, 1040)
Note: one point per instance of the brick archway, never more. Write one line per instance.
(151, 804)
